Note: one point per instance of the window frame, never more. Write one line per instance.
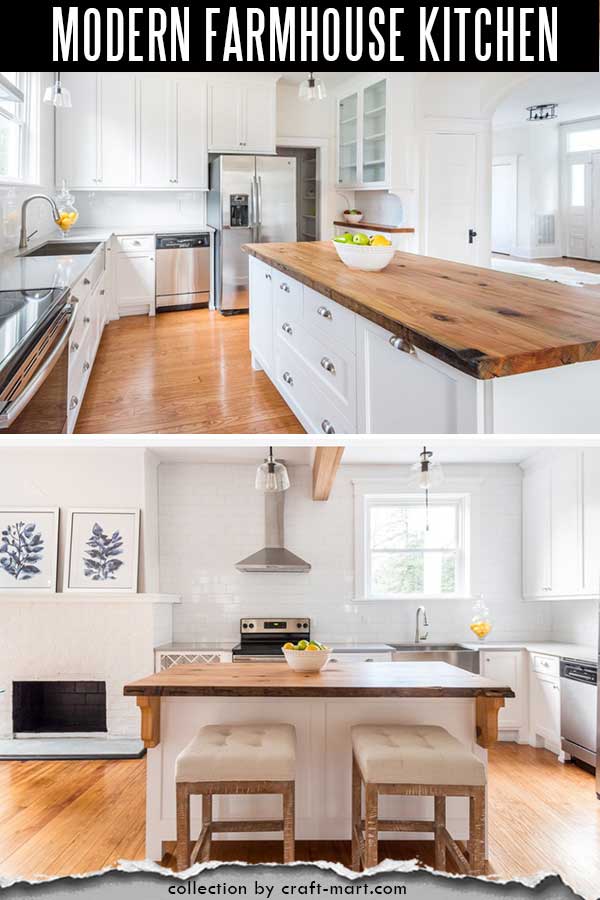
(23, 119)
(369, 494)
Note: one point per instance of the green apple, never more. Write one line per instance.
(361, 239)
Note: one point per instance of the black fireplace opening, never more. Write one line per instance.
(59, 706)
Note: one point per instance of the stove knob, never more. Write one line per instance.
(299, 625)
(244, 625)
(305, 625)
(251, 625)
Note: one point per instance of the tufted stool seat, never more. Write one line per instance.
(235, 759)
(416, 760)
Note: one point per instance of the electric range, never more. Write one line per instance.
(261, 640)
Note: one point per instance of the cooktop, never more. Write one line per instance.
(22, 315)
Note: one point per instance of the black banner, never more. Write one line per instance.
(562, 36)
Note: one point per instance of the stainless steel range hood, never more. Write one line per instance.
(273, 557)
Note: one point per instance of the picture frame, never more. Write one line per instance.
(102, 551)
(28, 548)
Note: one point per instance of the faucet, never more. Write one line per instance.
(24, 236)
(418, 635)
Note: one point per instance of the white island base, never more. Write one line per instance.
(323, 777)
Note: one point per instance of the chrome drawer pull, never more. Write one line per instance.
(102, 292)
(288, 379)
(74, 402)
(324, 312)
(327, 427)
(268, 276)
(287, 328)
(86, 281)
(74, 347)
(86, 366)
(328, 365)
(86, 320)
(284, 287)
(399, 343)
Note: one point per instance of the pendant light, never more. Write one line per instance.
(426, 474)
(271, 476)
(312, 89)
(57, 95)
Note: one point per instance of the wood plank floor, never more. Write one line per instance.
(582, 265)
(59, 818)
(182, 373)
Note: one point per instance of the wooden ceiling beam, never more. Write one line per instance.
(325, 466)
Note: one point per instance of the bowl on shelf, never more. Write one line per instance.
(353, 218)
(364, 256)
(306, 660)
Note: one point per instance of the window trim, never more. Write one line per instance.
(24, 119)
(460, 490)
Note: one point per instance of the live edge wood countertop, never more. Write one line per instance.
(386, 679)
(485, 323)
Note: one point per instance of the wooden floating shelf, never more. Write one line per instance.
(390, 229)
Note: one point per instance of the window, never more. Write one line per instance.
(578, 184)
(583, 141)
(402, 558)
(12, 124)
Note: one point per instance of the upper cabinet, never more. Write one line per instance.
(561, 525)
(126, 132)
(363, 137)
(241, 117)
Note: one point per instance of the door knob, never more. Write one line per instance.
(472, 235)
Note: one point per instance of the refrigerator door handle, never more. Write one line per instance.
(259, 198)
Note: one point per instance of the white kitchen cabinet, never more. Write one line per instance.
(116, 130)
(156, 132)
(509, 667)
(192, 135)
(261, 315)
(135, 283)
(590, 493)
(402, 392)
(544, 702)
(344, 659)
(77, 132)
(241, 117)
(363, 136)
(537, 530)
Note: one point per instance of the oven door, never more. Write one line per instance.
(258, 659)
(34, 398)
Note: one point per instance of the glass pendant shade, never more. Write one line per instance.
(57, 95)
(312, 89)
(271, 476)
(426, 473)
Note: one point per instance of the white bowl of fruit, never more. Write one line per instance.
(353, 216)
(306, 656)
(359, 251)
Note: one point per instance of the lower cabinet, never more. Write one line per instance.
(509, 667)
(135, 283)
(544, 702)
(341, 659)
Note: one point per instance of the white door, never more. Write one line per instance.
(537, 531)
(117, 130)
(156, 132)
(258, 118)
(451, 196)
(192, 157)
(504, 205)
(577, 204)
(224, 114)
(77, 132)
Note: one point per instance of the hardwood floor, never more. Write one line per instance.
(181, 373)
(582, 265)
(59, 818)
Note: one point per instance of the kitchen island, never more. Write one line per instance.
(424, 346)
(174, 704)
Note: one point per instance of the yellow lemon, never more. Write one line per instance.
(379, 240)
(289, 646)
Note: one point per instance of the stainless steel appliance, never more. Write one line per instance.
(261, 640)
(274, 556)
(34, 335)
(578, 709)
(183, 271)
(252, 199)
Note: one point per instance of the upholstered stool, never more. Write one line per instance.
(235, 759)
(416, 760)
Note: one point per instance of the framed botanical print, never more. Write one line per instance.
(102, 550)
(28, 549)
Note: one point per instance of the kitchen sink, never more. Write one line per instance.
(64, 248)
(454, 654)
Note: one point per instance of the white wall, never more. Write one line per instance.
(211, 516)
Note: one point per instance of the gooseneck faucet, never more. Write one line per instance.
(24, 236)
(418, 635)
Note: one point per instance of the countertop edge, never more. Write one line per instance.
(431, 692)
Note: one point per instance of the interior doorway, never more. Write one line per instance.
(308, 225)
(504, 204)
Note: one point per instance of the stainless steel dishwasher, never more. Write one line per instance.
(183, 271)
(578, 699)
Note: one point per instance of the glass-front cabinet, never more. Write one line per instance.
(363, 137)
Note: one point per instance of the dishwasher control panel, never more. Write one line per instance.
(181, 241)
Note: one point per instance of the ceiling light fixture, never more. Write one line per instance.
(426, 474)
(57, 95)
(542, 112)
(312, 89)
(271, 476)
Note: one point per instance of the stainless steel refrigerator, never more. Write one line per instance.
(252, 199)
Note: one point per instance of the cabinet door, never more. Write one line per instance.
(261, 313)
(135, 280)
(590, 495)
(506, 666)
(402, 393)
(348, 140)
(77, 132)
(537, 531)
(117, 130)
(374, 134)
(258, 118)
(156, 132)
(224, 117)
(192, 156)
(545, 709)
(565, 557)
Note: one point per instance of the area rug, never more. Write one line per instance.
(561, 274)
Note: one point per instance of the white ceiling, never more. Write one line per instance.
(577, 93)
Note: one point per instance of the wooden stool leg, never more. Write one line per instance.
(183, 827)
(289, 827)
(206, 821)
(371, 825)
(477, 831)
(356, 815)
(440, 840)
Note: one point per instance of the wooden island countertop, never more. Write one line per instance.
(486, 323)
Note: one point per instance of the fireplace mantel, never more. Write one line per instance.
(88, 597)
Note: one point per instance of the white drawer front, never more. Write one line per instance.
(333, 367)
(81, 329)
(133, 243)
(87, 281)
(287, 297)
(545, 665)
(328, 320)
(341, 659)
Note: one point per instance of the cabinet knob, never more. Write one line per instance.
(268, 276)
(173, 180)
(284, 287)
(74, 347)
(324, 312)
(287, 328)
(74, 402)
(102, 292)
(328, 365)
(399, 343)
(327, 427)
(369, 659)
(288, 379)
(86, 366)
(86, 281)
(86, 320)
